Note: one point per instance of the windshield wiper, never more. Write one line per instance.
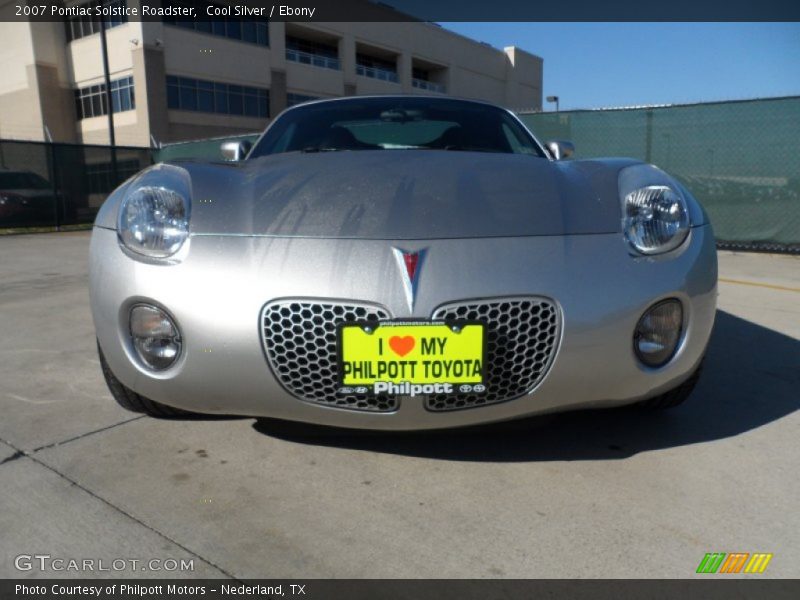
(321, 149)
(456, 148)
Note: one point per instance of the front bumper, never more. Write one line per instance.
(217, 292)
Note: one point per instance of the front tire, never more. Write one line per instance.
(676, 396)
(130, 400)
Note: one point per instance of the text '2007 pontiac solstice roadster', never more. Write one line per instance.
(401, 263)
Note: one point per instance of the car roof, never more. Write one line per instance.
(395, 97)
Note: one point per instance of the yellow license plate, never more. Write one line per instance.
(411, 358)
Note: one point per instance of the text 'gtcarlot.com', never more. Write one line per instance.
(46, 562)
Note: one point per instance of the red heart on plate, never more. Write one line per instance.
(401, 345)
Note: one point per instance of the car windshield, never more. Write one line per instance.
(396, 124)
(20, 180)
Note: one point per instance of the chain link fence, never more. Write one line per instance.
(740, 159)
(60, 185)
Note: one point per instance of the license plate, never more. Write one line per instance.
(411, 358)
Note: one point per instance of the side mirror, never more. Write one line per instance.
(560, 149)
(235, 150)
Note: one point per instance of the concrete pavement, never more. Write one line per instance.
(595, 494)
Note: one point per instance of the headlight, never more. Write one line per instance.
(8, 198)
(154, 215)
(655, 217)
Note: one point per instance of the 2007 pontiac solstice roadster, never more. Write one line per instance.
(400, 262)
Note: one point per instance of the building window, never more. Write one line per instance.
(421, 79)
(314, 53)
(82, 26)
(243, 29)
(292, 98)
(420, 74)
(90, 101)
(424, 84)
(100, 176)
(185, 93)
(376, 68)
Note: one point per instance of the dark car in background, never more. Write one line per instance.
(26, 199)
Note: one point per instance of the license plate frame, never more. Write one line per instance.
(450, 369)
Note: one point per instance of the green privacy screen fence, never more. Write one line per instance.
(740, 159)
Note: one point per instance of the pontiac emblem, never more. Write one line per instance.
(409, 264)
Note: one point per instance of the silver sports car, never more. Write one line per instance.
(401, 263)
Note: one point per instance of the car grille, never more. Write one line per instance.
(522, 339)
(299, 337)
(300, 342)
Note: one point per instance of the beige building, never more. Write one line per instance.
(174, 81)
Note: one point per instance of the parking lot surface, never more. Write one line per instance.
(618, 493)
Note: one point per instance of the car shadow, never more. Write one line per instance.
(751, 378)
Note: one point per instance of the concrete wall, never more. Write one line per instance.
(16, 53)
(215, 58)
(85, 56)
(56, 104)
(20, 113)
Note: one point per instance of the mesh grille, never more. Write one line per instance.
(300, 340)
(522, 339)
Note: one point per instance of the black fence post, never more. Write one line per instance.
(648, 135)
(112, 138)
(54, 177)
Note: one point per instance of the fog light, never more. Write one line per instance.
(155, 336)
(658, 332)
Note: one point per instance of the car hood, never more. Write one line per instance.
(405, 194)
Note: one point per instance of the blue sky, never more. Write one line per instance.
(593, 65)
